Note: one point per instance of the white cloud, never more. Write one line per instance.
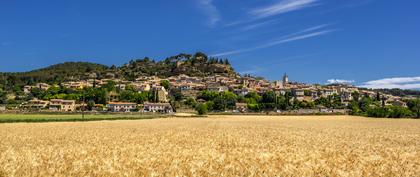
(211, 11)
(259, 24)
(396, 82)
(339, 81)
(295, 38)
(284, 39)
(282, 7)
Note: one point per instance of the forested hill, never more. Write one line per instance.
(52, 74)
(198, 64)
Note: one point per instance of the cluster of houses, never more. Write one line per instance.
(192, 86)
(59, 105)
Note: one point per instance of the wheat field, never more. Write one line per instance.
(213, 146)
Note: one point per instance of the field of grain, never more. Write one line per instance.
(12, 118)
(214, 146)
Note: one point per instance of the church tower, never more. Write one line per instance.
(285, 79)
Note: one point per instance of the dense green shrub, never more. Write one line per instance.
(201, 109)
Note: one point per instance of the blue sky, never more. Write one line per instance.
(375, 43)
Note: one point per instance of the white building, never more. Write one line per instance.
(121, 106)
(62, 105)
(158, 107)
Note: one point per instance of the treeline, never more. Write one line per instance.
(400, 92)
(375, 107)
(268, 101)
(54, 74)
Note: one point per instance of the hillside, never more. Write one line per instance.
(192, 65)
(52, 74)
(198, 64)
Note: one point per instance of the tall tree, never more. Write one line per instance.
(165, 84)
(414, 106)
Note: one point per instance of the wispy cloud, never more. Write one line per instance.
(282, 7)
(258, 25)
(210, 11)
(284, 39)
(396, 82)
(339, 81)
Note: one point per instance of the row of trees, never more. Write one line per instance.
(376, 107)
(267, 101)
(361, 105)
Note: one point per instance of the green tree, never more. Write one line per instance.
(3, 97)
(287, 98)
(190, 102)
(254, 107)
(165, 84)
(414, 106)
(109, 86)
(90, 105)
(252, 98)
(140, 98)
(354, 107)
(208, 95)
(336, 102)
(176, 94)
(282, 103)
(210, 105)
(269, 97)
(400, 112)
(97, 95)
(230, 99)
(356, 96)
(323, 102)
(201, 109)
(38, 93)
(225, 100)
(365, 103)
(378, 112)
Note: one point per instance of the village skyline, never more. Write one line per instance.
(187, 82)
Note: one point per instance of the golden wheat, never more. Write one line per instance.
(214, 146)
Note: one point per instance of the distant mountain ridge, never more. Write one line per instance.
(51, 74)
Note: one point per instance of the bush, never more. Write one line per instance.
(201, 109)
(400, 112)
(378, 112)
(254, 107)
(390, 112)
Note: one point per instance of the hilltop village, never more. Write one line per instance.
(196, 83)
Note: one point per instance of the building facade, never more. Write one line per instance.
(121, 106)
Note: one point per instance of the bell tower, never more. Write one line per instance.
(285, 79)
